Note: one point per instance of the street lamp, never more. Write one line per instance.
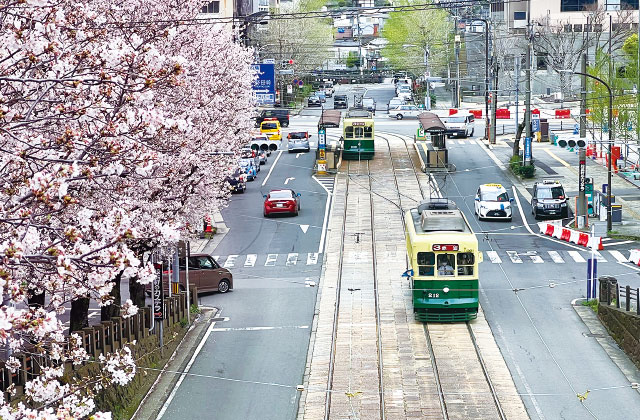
(610, 126)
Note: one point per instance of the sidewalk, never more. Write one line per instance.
(207, 246)
(626, 192)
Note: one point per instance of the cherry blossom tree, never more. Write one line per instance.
(111, 114)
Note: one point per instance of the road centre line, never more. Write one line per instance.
(553, 155)
(184, 373)
(287, 327)
(271, 169)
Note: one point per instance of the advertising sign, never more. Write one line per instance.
(582, 176)
(322, 138)
(535, 123)
(158, 295)
(527, 150)
(265, 85)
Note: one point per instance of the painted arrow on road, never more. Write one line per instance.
(304, 228)
(286, 181)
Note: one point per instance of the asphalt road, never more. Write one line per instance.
(250, 364)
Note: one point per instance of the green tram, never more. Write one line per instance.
(358, 135)
(443, 262)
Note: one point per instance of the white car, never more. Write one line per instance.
(493, 202)
(459, 125)
(404, 111)
(395, 102)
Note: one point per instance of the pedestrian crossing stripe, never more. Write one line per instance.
(555, 257)
(576, 256)
(618, 256)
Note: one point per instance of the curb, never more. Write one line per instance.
(608, 344)
(164, 383)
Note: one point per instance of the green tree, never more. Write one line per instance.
(353, 60)
(413, 33)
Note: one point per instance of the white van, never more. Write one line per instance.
(459, 125)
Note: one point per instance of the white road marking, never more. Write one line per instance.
(296, 327)
(599, 257)
(216, 258)
(536, 259)
(292, 259)
(286, 181)
(576, 256)
(524, 218)
(515, 258)
(186, 371)
(231, 261)
(297, 156)
(312, 258)
(493, 157)
(271, 260)
(616, 243)
(493, 256)
(271, 169)
(251, 260)
(304, 228)
(328, 204)
(618, 256)
(555, 256)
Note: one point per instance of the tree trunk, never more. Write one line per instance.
(137, 292)
(109, 311)
(516, 142)
(79, 317)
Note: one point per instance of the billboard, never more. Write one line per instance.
(265, 85)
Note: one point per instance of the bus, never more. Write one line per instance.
(358, 135)
(443, 262)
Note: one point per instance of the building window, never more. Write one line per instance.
(211, 7)
(567, 27)
(497, 6)
(577, 27)
(576, 5)
(519, 15)
(629, 4)
(597, 27)
(541, 61)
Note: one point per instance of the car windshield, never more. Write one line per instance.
(455, 120)
(340, 98)
(245, 162)
(495, 196)
(551, 192)
(298, 135)
(269, 126)
(279, 195)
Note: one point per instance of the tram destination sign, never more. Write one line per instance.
(357, 123)
(445, 247)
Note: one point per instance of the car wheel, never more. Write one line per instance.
(264, 213)
(308, 149)
(472, 130)
(296, 213)
(223, 286)
(510, 219)
(399, 117)
(535, 215)
(565, 214)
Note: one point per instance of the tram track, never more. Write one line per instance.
(459, 399)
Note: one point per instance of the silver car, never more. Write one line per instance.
(262, 155)
(298, 141)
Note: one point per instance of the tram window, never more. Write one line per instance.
(426, 262)
(446, 264)
(348, 132)
(368, 132)
(465, 263)
(359, 132)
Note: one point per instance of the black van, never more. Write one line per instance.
(281, 114)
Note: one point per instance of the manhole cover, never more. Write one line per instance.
(594, 335)
(631, 198)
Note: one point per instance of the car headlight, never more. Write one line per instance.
(563, 204)
(539, 205)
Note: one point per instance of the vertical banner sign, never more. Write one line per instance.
(592, 276)
(582, 176)
(158, 295)
(322, 143)
(535, 123)
(265, 85)
(527, 150)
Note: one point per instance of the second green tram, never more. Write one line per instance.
(443, 259)
(358, 135)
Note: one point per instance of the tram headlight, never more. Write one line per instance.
(445, 290)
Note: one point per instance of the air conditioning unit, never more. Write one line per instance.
(519, 20)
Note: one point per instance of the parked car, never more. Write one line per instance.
(204, 272)
(323, 97)
(271, 128)
(282, 115)
(404, 111)
(549, 199)
(249, 168)
(262, 156)
(459, 125)
(237, 181)
(314, 101)
(298, 140)
(369, 104)
(328, 89)
(249, 153)
(395, 102)
(340, 101)
(281, 201)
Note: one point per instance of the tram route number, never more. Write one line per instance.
(445, 247)
(357, 123)
(433, 295)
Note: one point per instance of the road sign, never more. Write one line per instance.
(289, 89)
(322, 138)
(527, 150)
(158, 295)
(300, 83)
(289, 71)
(535, 123)
(269, 61)
(265, 85)
(295, 81)
(576, 129)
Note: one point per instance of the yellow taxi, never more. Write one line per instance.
(271, 128)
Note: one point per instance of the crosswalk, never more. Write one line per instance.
(554, 257)
(291, 259)
(294, 259)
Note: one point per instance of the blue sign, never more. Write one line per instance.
(527, 149)
(265, 85)
(576, 129)
(535, 124)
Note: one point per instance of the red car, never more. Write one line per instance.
(281, 201)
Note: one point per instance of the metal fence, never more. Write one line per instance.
(97, 340)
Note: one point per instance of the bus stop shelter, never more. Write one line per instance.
(330, 118)
(434, 154)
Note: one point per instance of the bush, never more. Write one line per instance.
(518, 169)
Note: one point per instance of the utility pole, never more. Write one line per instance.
(527, 112)
(583, 98)
(456, 93)
(359, 45)
(494, 103)
(427, 98)
(516, 65)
